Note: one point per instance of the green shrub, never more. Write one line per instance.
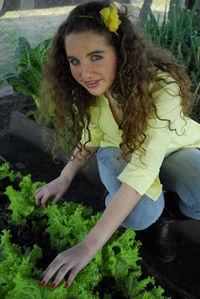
(178, 32)
(28, 72)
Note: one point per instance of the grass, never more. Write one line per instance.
(35, 25)
(39, 24)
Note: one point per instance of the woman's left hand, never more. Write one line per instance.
(73, 260)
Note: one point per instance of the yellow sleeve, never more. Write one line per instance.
(96, 135)
(141, 176)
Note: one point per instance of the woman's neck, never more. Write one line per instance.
(114, 107)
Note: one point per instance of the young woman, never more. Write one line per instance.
(128, 102)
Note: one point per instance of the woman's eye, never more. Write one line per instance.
(96, 57)
(74, 61)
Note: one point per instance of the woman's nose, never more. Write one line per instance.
(86, 71)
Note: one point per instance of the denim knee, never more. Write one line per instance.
(146, 211)
(144, 214)
(180, 173)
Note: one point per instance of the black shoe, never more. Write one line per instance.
(164, 229)
(164, 240)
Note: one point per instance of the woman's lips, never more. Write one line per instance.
(92, 84)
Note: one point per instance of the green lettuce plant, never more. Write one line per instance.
(6, 172)
(15, 266)
(22, 202)
(20, 278)
(65, 221)
(68, 223)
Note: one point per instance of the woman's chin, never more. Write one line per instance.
(95, 92)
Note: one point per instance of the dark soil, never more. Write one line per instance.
(179, 278)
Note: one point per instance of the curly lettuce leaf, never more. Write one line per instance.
(68, 224)
(19, 282)
(9, 261)
(14, 263)
(138, 288)
(135, 288)
(121, 256)
(5, 172)
(22, 203)
(85, 282)
(28, 288)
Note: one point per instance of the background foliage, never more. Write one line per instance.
(176, 30)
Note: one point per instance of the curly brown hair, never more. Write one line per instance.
(138, 63)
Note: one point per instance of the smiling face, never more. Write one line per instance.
(92, 61)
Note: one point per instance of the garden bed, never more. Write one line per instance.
(31, 237)
(180, 279)
(19, 145)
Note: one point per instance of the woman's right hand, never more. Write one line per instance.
(54, 190)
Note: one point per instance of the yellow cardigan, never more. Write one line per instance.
(159, 143)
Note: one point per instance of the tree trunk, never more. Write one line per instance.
(144, 11)
(8, 5)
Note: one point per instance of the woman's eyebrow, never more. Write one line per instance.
(95, 52)
(89, 54)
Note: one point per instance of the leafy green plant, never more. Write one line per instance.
(67, 224)
(178, 32)
(27, 79)
(6, 172)
(19, 276)
(22, 202)
(64, 223)
(15, 266)
(28, 71)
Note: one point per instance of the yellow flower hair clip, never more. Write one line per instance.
(110, 17)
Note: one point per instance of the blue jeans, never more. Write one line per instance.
(180, 173)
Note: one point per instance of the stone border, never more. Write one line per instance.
(6, 90)
(16, 101)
